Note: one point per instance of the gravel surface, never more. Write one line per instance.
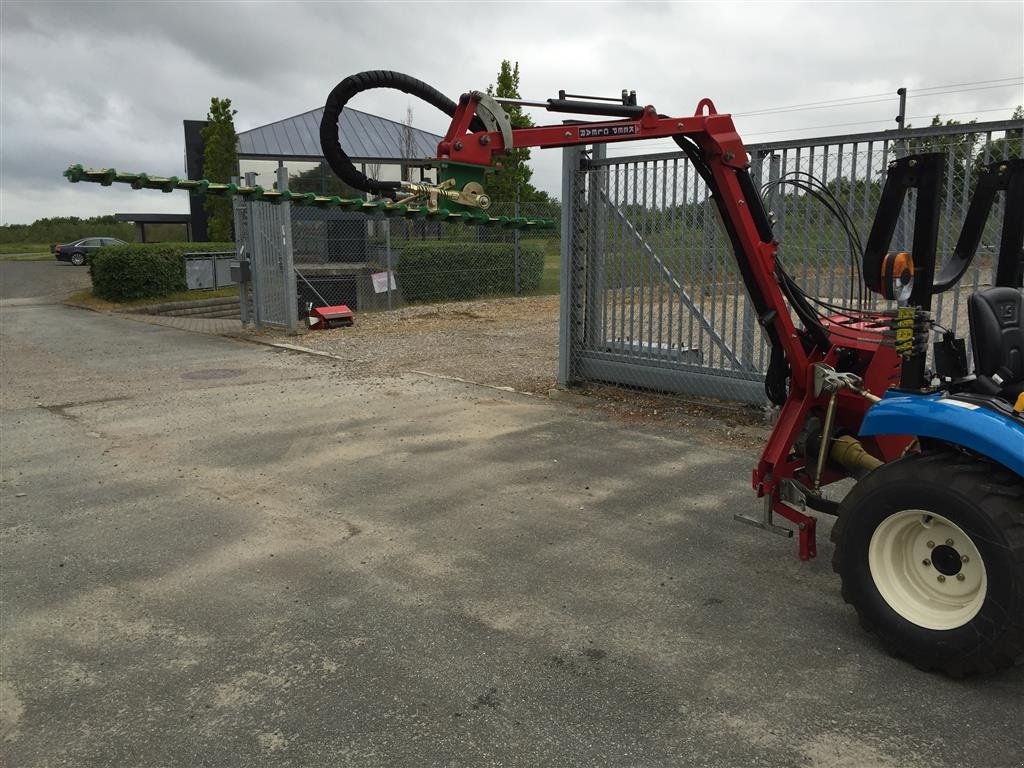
(514, 343)
(498, 342)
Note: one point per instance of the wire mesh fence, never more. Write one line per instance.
(374, 264)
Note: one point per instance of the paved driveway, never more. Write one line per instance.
(216, 553)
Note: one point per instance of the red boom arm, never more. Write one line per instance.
(854, 346)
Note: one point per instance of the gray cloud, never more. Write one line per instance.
(108, 84)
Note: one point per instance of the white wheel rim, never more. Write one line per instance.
(927, 569)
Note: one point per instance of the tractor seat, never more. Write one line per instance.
(996, 316)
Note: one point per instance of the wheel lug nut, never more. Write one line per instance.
(926, 562)
(959, 577)
(942, 578)
(965, 559)
(931, 545)
(949, 542)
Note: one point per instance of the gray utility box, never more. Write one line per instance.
(209, 270)
(241, 272)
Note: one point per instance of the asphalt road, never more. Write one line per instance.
(216, 553)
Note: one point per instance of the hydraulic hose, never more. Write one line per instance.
(365, 81)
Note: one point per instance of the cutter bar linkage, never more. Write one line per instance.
(109, 176)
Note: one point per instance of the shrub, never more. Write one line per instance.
(439, 270)
(143, 270)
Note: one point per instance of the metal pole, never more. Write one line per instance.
(567, 279)
(515, 245)
(901, 122)
(900, 147)
(255, 264)
(597, 228)
(288, 258)
(241, 249)
(387, 256)
(901, 118)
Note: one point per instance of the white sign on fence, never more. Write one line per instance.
(380, 281)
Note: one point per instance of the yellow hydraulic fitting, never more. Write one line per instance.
(848, 452)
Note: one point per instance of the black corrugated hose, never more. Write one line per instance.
(366, 81)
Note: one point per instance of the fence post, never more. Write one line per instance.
(288, 257)
(597, 226)
(250, 243)
(241, 250)
(568, 314)
(387, 257)
(515, 246)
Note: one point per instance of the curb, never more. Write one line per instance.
(77, 305)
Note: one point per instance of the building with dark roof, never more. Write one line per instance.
(364, 137)
(382, 148)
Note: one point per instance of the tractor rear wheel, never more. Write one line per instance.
(930, 551)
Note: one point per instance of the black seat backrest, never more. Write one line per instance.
(997, 332)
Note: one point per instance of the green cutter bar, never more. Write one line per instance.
(109, 176)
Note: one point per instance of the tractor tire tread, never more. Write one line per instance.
(1004, 491)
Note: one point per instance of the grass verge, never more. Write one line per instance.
(84, 298)
(550, 277)
(26, 257)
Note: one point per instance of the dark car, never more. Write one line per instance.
(78, 252)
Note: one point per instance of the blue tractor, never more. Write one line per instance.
(930, 546)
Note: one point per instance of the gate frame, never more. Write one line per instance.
(262, 277)
(582, 276)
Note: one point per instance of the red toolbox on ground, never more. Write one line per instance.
(325, 317)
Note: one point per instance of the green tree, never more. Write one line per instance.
(322, 181)
(1011, 145)
(517, 173)
(220, 163)
(958, 147)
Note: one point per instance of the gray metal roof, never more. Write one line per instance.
(363, 137)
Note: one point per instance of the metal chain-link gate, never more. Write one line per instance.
(651, 294)
(263, 233)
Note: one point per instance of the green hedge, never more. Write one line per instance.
(143, 270)
(445, 271)
(66, 229)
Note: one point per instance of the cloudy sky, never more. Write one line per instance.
(108, 84)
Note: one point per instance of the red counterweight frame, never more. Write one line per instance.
(841, 342)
